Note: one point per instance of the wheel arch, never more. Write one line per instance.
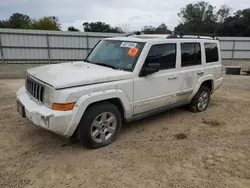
(116, 97)
(209, 84)
(207, 81)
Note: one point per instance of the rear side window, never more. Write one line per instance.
(165, 54)
(212, 54)
(190, 54)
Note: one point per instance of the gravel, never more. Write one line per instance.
(214, 153)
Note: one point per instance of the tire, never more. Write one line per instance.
(196, 103)
(94, 131)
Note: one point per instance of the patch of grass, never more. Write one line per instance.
(181, 136)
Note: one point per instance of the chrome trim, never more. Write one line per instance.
(34, 88)
(34, 99)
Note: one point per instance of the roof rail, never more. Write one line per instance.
(192, 35)
(134, 33)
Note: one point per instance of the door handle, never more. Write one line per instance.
(172, 77)
(200, 73)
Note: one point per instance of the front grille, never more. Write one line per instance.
(34, 88)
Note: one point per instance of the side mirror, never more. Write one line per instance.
(150, 69)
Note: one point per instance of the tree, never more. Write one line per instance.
(223, 13)
(5, 24)
(197, 18)
(16, 21)
(200, 11)
(47, 23)
(148, 29)
(161, 29)
(72, 28)
(237, 25)
(100, 27)
(20, 21)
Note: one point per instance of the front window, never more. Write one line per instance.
(164, 54)
(120, 55)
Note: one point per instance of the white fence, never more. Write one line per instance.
(235, 48)
(35, 46)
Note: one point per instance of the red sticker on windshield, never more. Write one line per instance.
(133, 51)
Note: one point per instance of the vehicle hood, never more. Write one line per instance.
(72, 74)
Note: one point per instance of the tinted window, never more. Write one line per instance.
(165, 54)
(212, 54)
(190, 54)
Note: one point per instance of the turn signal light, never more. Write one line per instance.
(63, 107)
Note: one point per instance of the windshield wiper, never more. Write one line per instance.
(106, 65)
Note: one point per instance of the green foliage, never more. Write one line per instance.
(100, 27)
(161, 29)
(21, 21)
(71, 28)
(46, 23)
(197, 18)
(237, 25)
(16, 21)
(201, 18)
(148, 29)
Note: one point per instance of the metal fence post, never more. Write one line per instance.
(48, 46)
(233, 50)
(1, 50)
(87, 39)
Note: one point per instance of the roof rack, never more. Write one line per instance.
(192, 35)
(178, 35)
(135, 33)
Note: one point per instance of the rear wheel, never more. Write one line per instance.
(99, 125)
(201, 100)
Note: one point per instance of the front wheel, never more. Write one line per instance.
(99, 125)
(201, 100)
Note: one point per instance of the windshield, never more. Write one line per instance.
(116, 54)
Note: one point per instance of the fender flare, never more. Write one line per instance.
(199, 83)
(84, 101)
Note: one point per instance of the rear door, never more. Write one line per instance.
(212, 58)
(191, 68)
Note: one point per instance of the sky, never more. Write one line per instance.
(130, 15)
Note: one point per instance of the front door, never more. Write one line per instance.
(161, 88)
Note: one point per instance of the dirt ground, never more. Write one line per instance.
(174, 149)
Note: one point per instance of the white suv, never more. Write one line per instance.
(122, 79)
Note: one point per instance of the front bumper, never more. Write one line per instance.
(52, 120)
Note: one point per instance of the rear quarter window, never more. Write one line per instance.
(211, 52)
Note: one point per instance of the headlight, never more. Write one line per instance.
(48, 97)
